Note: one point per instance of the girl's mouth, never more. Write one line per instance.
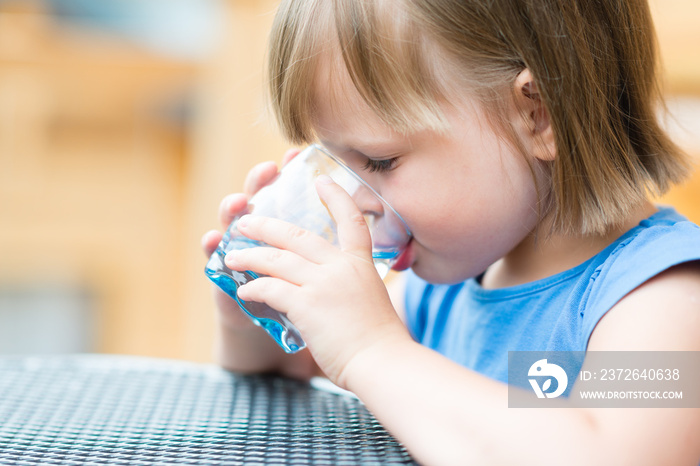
(405, 259)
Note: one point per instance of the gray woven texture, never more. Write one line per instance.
(137, 411)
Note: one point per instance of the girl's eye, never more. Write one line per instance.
(380, 166)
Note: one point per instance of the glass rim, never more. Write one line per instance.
(337, 160)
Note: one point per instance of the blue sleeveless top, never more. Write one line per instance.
(476, 327)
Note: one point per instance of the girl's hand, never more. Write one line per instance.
(334, 296)
(232, 206)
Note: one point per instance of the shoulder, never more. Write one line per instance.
(663, 240)
(663, 314)
(644, 270)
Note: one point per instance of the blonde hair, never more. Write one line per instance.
(594, 64)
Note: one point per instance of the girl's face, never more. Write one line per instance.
(467, 195)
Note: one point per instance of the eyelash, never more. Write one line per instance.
(381, 166)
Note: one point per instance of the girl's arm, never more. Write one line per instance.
(396, 285)
(247, 348)
(442, 412)
(445, 414)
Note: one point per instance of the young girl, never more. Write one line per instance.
(519, 141)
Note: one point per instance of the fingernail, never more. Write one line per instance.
(243, 221)
(324, 179)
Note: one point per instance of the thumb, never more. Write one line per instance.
(353, 232)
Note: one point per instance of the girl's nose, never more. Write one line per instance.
(368, 203)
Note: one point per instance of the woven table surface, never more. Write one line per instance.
(99, 409)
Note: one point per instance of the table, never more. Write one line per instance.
(100, 409)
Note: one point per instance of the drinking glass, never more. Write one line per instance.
(292, 197)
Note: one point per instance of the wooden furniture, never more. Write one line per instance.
(91, 176)
(105, 187)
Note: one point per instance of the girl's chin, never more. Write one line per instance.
(441, 274)
(430, 267)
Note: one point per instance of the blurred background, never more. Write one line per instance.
(122, 125)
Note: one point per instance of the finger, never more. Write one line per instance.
(276, 293)
(231, 207)
(284, 235)
(259, 176)
(273, 262)
(353, 232)
(210, 240)
(289, 155)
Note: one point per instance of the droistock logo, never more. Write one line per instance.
(546, 371)
(604, 379)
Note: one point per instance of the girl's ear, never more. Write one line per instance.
(538, 128)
